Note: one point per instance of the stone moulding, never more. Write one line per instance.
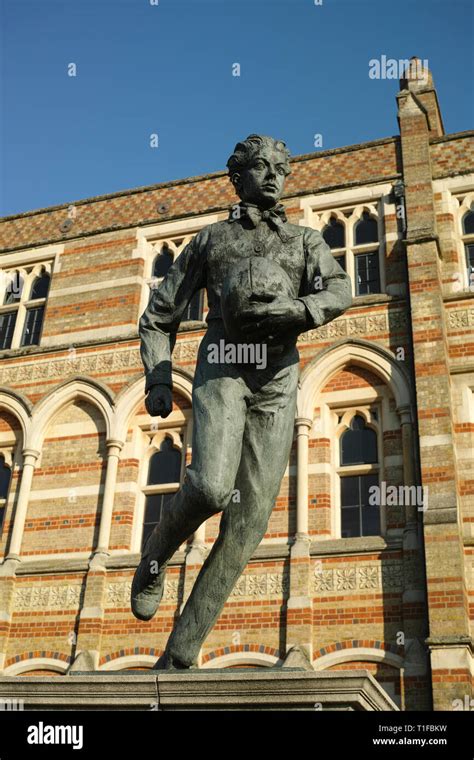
(269, 689)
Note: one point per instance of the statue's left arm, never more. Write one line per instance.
(327, 291)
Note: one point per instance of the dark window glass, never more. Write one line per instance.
(33, 324)
(470, 262)
(162, 262)
(341, 260)
(194, 308)
(13, 289)
(358, 443)
(153, 509)
(358, 517)
(468, 223)
(40, 287)
(366, 230)
(367, 273)
(334, 234)
(7, 326)
(165, 465)
(5, 475)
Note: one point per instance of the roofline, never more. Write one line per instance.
(195, 179)
(201, 177)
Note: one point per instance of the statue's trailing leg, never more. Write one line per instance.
(266, 447)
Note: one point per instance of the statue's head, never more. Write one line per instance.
(258, 168)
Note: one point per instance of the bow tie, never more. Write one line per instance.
(275, 217)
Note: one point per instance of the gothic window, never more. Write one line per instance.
(5, 477)
(13, 289)
(23, 300)
(358, 471)
(162, 262)
(335, 236)
(164, 474)
(468, 240)
(40, 287)
(168, 251)
(366, 256)
(354, 235)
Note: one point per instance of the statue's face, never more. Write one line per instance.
(262, 182)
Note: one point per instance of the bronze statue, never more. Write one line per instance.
(267, 282)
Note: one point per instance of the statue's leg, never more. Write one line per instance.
(266, 447)
(219, 411)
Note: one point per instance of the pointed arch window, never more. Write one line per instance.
(5, 478)
(23, 306)
(162, 262)
(366, 256)
(335, 236)
(168, 251)
(358, 472)
(468, 240)
(163, 479)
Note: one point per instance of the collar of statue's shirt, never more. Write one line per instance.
(285, 230)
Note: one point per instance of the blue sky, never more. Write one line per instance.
(166, 69)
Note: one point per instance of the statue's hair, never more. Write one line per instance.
(245, 152)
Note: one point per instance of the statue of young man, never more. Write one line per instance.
(279, 280)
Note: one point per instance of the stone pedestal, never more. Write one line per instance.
(269, 689)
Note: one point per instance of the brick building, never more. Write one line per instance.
(386, 397)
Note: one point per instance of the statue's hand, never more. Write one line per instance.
(281, 317)
(159, 401)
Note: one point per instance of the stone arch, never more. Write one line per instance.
(241, 655)
(77, 388)
(129, 398)
(355, 351)
(19, 406)
(24, 663)
(128, 657)
(369, 651)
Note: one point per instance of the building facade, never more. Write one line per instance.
(368, 561)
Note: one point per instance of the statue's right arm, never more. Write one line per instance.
(160, 320)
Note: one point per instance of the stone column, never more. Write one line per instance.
(91, 616)
(303, 426)
(9, 566)
(300, 609)
(30, 457)
(113, 454)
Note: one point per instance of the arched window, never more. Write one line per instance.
(14, 288)
(164, 474)
(468, 239)
(24, 302)
(335, 236)
(40, 287)
(358, 472)
(366, 230)
(162, 262)
(468, 223)
(367, 268)
(5, 477)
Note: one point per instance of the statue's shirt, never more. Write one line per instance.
(318, 279)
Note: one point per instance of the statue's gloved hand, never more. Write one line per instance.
(279, 318)
(159, 401)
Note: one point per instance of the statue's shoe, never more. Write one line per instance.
(147, 590)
